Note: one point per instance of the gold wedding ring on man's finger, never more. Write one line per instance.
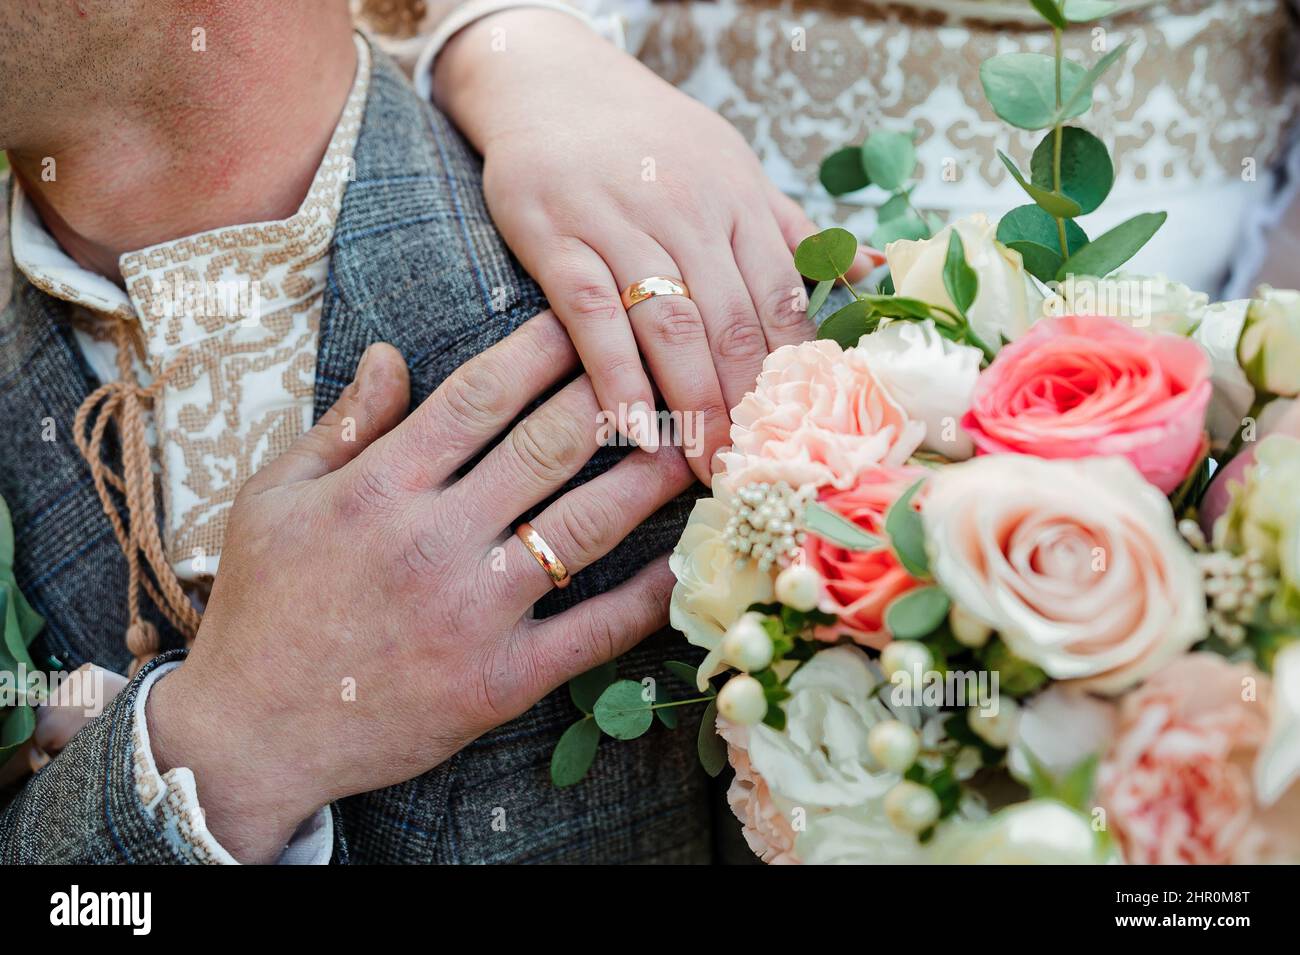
(544, 555)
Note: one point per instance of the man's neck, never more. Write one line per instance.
(241, 143)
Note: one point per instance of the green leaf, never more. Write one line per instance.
(1077, 785)
(621, 712)
(683, 671)
(906, 535)
(898, 306)
(904, 227)
(574, 753)
(1032, 232)
(842, 171)
(959, 278)
(827, 524)
(895, 207)
(711, 747)
(1050, 12)
(1021, 87)
(1084, 11)
(917, 613)
(1078, 100)
(667, 715)
(6, 538)
(1087, 173)
(585, 689)
(827, 255)
(1108, 252)
(17, 723)
(818, 297)
(1056, 205)
(889, 158)
(848, 324)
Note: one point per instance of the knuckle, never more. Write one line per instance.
(782, 309)
(368, 490)
(474, 394)
(676, 322)
(547, 449)
(592, 302)
(506, 669)
(741, 338)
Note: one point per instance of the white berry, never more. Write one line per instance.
(893, 745)
(742, 701)
(746, 644)
(912, 807)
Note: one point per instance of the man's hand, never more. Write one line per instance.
(600, 174)
(371, 612)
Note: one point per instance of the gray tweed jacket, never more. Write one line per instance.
(415, 262)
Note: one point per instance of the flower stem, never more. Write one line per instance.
(1058, 136)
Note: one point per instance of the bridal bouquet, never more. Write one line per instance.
(1002, 566)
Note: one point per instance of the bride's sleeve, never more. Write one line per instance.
(413, 32)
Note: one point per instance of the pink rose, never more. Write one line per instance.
(1176, 784)
(859, 585)
(1077, 387)
(818, 415)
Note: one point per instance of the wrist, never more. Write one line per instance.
(252, 799)
(489, 75)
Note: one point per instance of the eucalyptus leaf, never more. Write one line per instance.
(895, 207)
(827, 524)
(917, 613)
(6, 539)
(842, 171)
(1033, 223)
(1051, 12)
(1021, 88)
(17, 723)
(711, 747)
(889, 158)
(1040, 261)
(906, 535)
(1108, 252)
(908, 226)
(1053, 203)
(898, 306)
(827, 255)
(621, 712)
(585, 689)
(818, 297)
(683, 671)
(574, 753)
(1078, 100)
(1085, 11)
(848, 324)
(666, 714)
(1087, 173)
(959, 278)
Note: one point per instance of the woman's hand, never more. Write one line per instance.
(371, 614)
(599, 174)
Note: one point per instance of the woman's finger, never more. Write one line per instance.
(671, 334)
(585, 297)
(591, 520)
(796, 226)
(767, 270)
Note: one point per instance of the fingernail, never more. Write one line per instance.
(641, 424)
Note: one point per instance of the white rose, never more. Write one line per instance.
(1270, 343)
(1219, 334)
(712, 589)
(930, 377)
(1149, 302)
(1037, 832)
(1277, 767)
(1060, 728)
(1076, 563)
(819, 767)
(1007, 300)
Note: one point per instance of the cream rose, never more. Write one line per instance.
(1270, 342)
(1007, 301)
(1219, 334)
(1037, 832)
(713, 589)
(931, 377)
(1149, 302)
(1077, 564)
(818, 415)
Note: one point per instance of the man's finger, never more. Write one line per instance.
(600, 628)
(369, 407)
(796, 226)
(476, 403)
(590, 521)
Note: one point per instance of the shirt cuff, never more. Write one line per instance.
(610, 27)
(173, 799)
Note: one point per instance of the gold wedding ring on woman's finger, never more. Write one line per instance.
(649, 288)
(541, 550)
